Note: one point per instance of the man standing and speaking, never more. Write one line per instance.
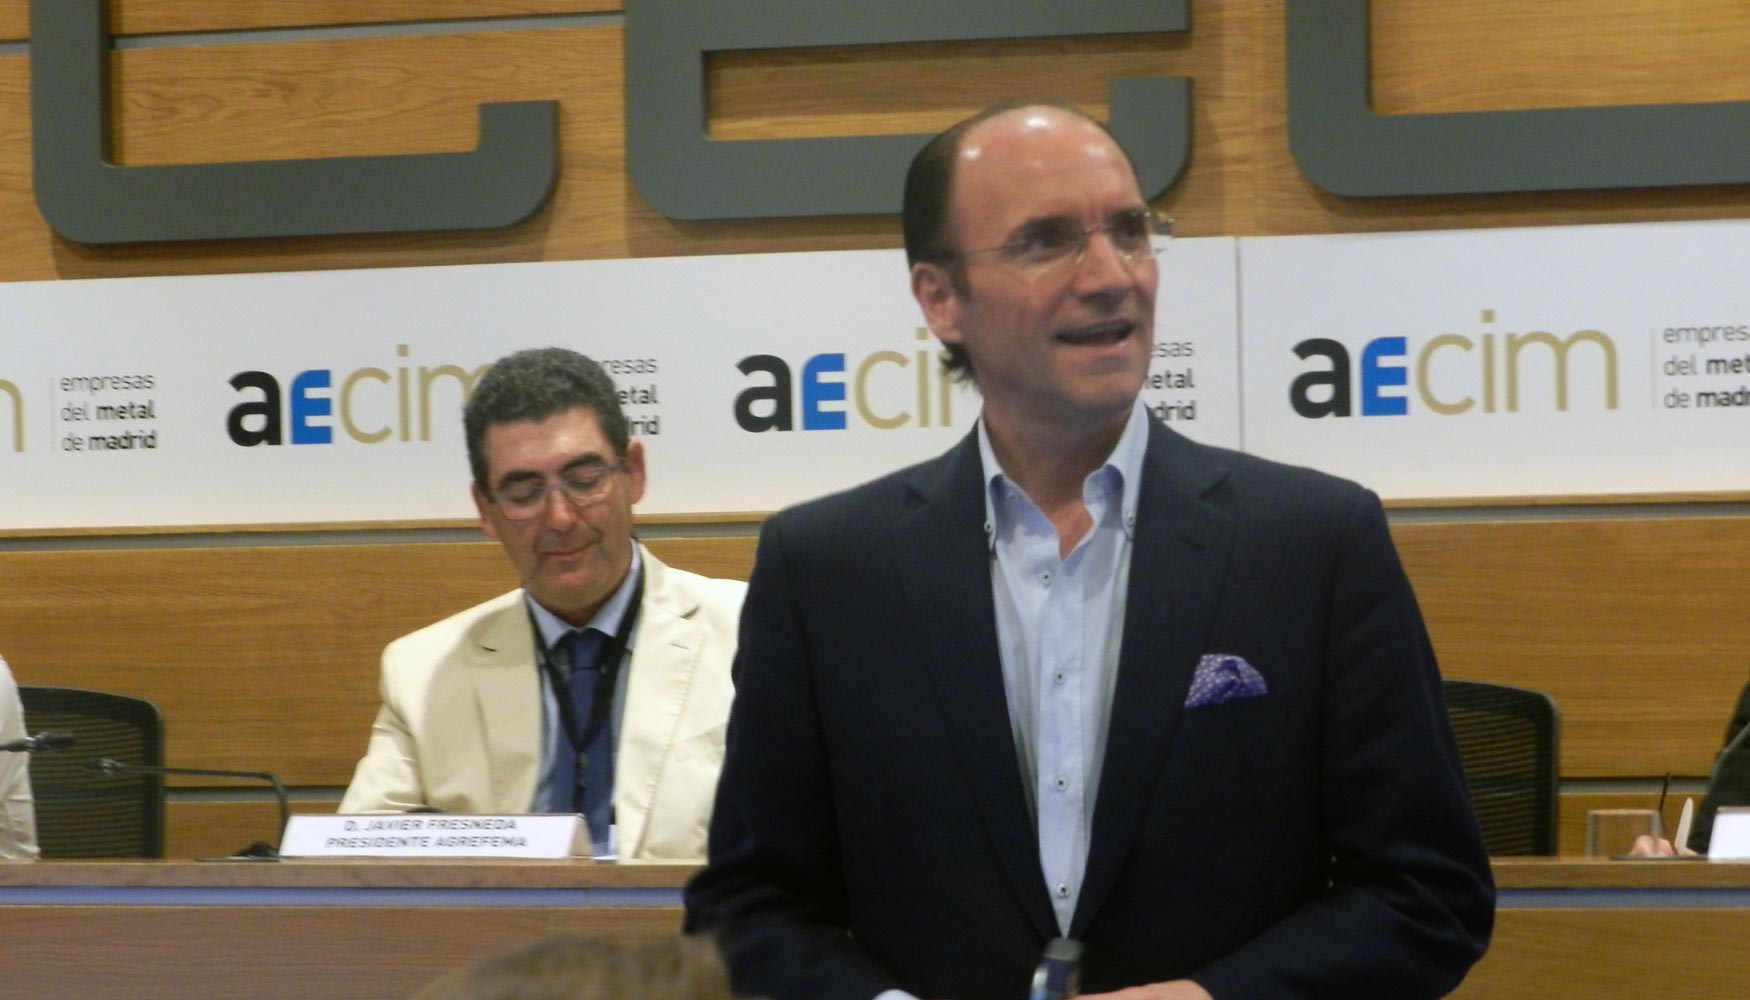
(601, 686)
(1080, 676)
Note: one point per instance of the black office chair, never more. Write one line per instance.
(79, 812)
(1509, 739)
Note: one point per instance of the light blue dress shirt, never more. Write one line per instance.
(1060, 623)
(552, 629)
(1060, 626)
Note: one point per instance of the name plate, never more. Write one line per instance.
(436, 835)
(1731, 836)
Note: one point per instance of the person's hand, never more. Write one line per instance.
(1657, 847)
(1178, 989)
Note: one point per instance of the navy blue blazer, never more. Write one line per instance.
(871, 829)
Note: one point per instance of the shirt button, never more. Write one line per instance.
(1063, 890)
(1061, 783)
(1059, 677)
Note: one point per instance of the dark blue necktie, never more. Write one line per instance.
(585, 762)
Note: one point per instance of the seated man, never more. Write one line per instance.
(17, 812)
(602, 685)
(1728, 785)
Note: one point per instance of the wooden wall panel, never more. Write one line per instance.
(922, 88)
(151, 17)
(418, 93)
(1625, 954)
(279, 952)
(261, 658)
(265, 657)
(1640, 629)
(380, 96)
(1494, 55)
(1435, 56)
(218, 828)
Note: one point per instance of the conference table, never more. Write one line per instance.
(381, 930)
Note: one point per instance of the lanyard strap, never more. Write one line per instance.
(607, 673)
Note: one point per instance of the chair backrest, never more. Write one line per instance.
(1509, 740)
(83, 814)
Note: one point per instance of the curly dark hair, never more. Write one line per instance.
(536, 384)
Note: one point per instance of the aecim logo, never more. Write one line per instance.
(881, 387)
(370, 404)
(12, 402)
(1454, 374)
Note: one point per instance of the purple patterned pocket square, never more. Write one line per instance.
(1223, 677)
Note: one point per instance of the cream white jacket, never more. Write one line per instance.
(460, 725)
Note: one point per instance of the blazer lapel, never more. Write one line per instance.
(664, 657)
(1178, 561)
(507, 688)
(944, 556)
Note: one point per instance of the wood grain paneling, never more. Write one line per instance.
(1473, 72)
(418, 94)
(219, 828)
(1623, 954)
(260, 658)
(1640, 629)
(151, 17)
(421, 873)
(265, 657)
(224, 951)
(1498, 55)
(276, 953)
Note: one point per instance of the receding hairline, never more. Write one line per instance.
(1063, 113)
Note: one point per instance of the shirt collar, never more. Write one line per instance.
(607, 618)
(1125, 461)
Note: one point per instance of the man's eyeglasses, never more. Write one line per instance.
(582, 486)
(1046, 244)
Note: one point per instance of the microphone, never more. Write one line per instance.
(259, 849)
(1059, 976)
(39, 742)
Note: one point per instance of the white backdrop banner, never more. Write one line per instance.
(1490, 363)
(754, 382)
(1494, 363)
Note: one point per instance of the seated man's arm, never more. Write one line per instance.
(387, 777)
(17, 812)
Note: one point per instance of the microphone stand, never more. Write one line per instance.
(39, 743)
(110, 766)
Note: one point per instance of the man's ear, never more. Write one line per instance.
(483, 506)
(933, 288)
